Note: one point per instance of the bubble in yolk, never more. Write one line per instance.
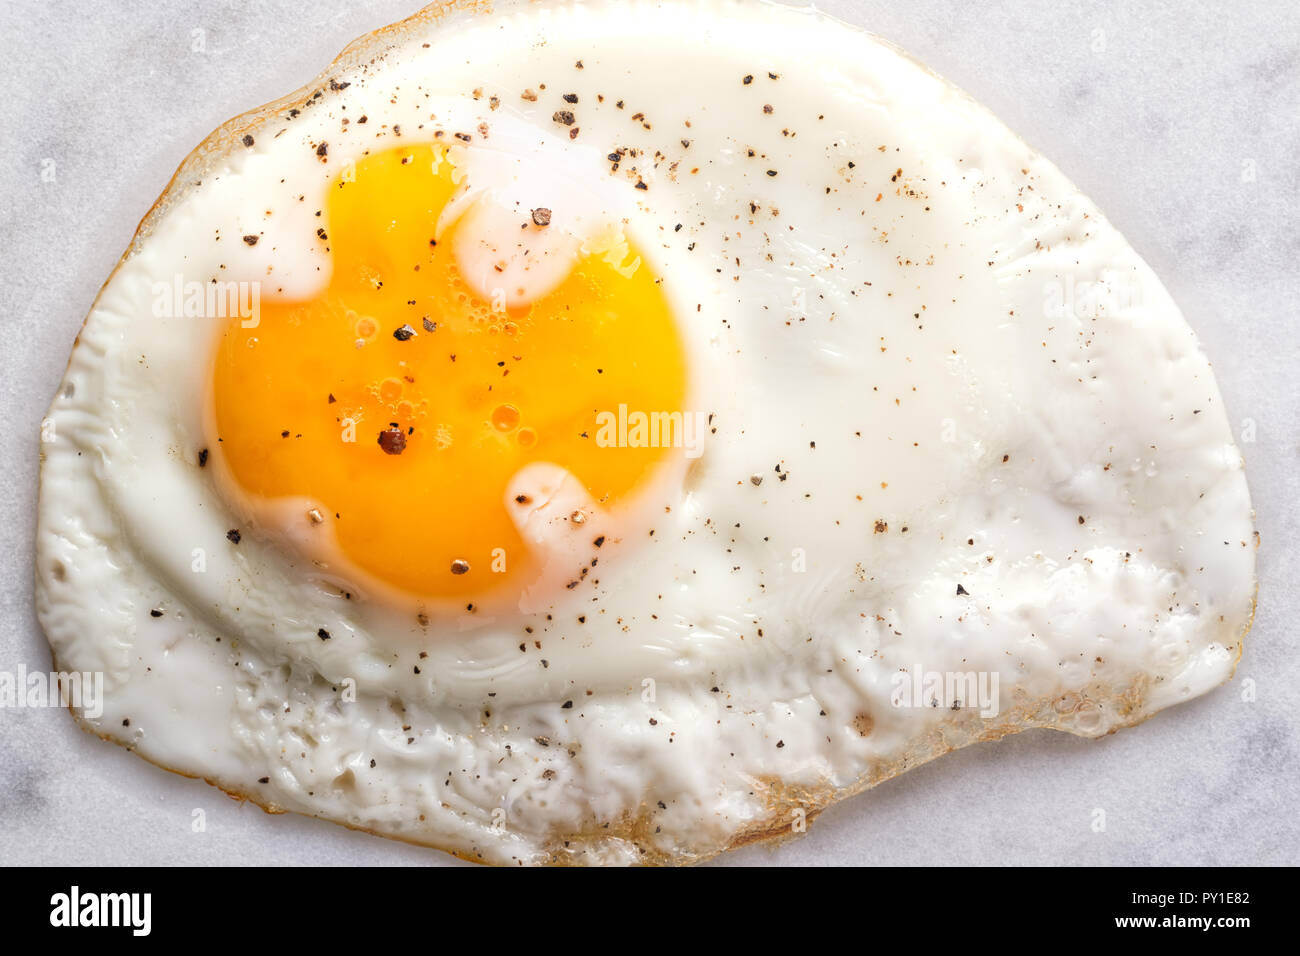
(403, 404)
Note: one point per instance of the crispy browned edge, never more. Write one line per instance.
(781, 799)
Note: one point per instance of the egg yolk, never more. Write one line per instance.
(400, 403)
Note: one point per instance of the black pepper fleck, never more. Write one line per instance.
(392, 441)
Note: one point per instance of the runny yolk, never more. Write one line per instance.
(400, 403)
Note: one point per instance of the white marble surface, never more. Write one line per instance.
(1181, 120)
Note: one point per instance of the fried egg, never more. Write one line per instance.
(518, 444)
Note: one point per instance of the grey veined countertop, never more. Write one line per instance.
(1182, 121)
